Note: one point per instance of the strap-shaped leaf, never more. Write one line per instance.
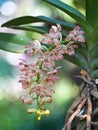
(94, 35)
(12, 42)
(38, 29)
(77, 59)
(32, 19)
(94, 51)
(75, 14)
(94, 73)
(92, 12)
(10, 47)
(83, 52)
(94, 63)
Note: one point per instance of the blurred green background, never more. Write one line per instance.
(13, 115)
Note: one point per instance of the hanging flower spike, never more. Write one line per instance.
(38, 77)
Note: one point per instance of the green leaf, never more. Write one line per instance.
(94, 35)
(75, 14)
(77, 59)
(94, 63)
(94, 73)
(94, 51)
(92, 12)
(83, 52)
(13, 42)
(10, 47)
(31, 19)
(94, 60)
(38, 29)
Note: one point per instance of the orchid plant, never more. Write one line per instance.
(79, 46)
(40, 76)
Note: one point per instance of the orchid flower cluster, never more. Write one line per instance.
(39, 77)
